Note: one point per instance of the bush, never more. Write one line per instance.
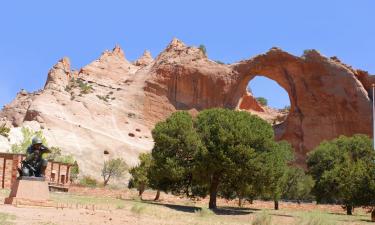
(263, 101)
(203, 49)
(4, 131)
(138, 208)
(88, 181)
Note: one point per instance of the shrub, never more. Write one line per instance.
(263, 101)
(4, 131)
(138, 208)
(203, 49)
(88, 181)
(203, 212)
(262, 219)
(219, 62)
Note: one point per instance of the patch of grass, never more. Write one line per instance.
(314, 218)
(204, 212)
(262, 218)
(120, 206)
(6, 218)
(138, 208)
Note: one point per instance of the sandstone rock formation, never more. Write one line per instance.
(112, 104)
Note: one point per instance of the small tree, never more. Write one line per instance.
(74, 172)
(203, 49)
(263, 101)
(139, 173)
(274, 170)
(113, 168)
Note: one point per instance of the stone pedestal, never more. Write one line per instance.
(28, 191)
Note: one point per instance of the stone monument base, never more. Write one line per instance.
(28, 191)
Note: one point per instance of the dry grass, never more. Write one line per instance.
(110, 209)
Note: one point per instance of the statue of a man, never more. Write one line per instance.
(35, 163)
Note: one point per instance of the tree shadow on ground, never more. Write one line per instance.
(193, 209)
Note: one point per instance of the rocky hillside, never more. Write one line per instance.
(112, 104)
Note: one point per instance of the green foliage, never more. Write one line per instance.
(233, 144)
(56, 155)
(4, 131)
(176, 144)
(139, 173)
(219, 62)
(28, 135)
(263, 101)
(104, 98)
(298, 185)
(84, 87)
(88, 181)
(113, 168)
(203, 49)
(344, 171)
(74, 172)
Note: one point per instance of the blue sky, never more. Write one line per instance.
(35, 34)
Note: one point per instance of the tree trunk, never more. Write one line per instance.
(141, 190)
(373, 215)
(239, 202)
(157, 195)
(276, 204)
(213, 191)
(349, 210)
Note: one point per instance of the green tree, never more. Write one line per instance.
(176, 144)
(74, 172)
(298, 185)
(263, 101)
(4, 131)
(343, 170)
(275, 169)
(231, 142)
(139, 173)
(28, 135)
(113, 168)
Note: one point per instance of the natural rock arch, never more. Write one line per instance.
(327, 97)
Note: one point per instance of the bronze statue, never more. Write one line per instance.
(34, 165)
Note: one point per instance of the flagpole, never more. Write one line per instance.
(373, 115)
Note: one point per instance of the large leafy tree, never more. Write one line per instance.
(344, 171)
(176, 144)
(232, 141)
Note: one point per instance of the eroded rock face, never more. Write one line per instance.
(328, 99)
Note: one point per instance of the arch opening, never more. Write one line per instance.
(267, 99)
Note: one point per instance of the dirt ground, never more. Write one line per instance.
(108, 206)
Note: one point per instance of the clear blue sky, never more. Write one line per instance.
(35, 34)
